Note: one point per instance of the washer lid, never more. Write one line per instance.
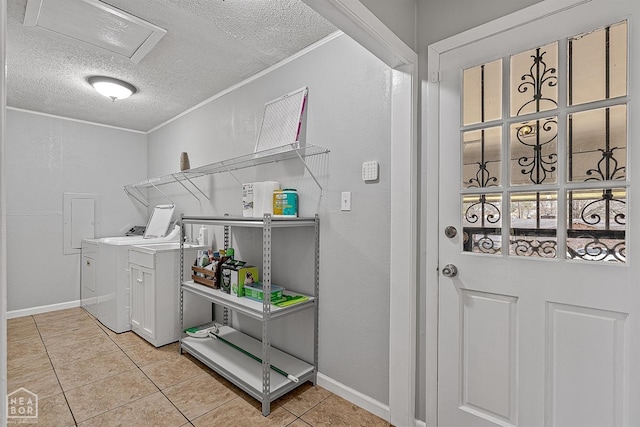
(159, 221)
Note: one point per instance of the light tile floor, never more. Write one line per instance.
(86, 375)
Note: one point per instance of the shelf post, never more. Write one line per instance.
(227, 234)
(266, 312)
(316, 295)
(182, 235)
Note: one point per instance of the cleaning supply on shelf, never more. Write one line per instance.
(201, 331)
(288, 300)
(239, 274)
(203, 236)
(247, 200)
(285, 203)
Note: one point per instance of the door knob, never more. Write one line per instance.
(450, 232)
(449, 270)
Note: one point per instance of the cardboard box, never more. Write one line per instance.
(234, 278)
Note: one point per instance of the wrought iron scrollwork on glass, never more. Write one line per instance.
(597, 249)
(537, 136)
(539, 76)
(486, 244)
(483, 177)
(541, 248)
(489, 212)
(597, 211)
(608, 168)
(597, 228)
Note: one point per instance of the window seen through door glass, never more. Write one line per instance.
(534, 153)
(482, 216)
(598, 65)
(597, 145)
(482, 158)
(596, 224)
(482, 93)
(521, 174)
(534, 220)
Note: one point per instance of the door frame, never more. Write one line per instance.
(3, 222)
(430, 173)
(359, 23)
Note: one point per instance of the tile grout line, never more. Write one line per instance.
(156, 385)
(46, 350)
(64, 392)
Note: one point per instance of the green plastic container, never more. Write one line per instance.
(254, 291)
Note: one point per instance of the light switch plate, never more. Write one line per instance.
(345, 201)
(370, 171)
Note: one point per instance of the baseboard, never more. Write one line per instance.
(354, 396)
(42, 309)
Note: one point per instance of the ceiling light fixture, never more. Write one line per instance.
(112, 88)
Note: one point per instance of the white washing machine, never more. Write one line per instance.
(104, 289)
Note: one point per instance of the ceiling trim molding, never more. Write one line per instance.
(22, 110)
(359, 23)
(251, 79)
(500, 25)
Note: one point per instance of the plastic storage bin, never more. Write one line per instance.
(254, 291)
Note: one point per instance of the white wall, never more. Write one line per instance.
(349, 113)
(398, 15)
(46, 157)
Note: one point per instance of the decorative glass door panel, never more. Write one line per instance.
(534, 80)
(533, 224)
(482, 86)
(513, 150)
(481, 219)
(534, 148)
(598, 65)
(482, 158)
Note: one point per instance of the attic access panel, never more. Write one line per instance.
(282, 120)
(97, 24)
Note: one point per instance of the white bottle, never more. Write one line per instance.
(203, 236)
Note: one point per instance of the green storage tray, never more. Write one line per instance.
(254, 291)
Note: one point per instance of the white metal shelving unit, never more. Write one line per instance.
(272, 155)
(254, 378)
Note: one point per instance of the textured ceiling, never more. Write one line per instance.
(210, 45)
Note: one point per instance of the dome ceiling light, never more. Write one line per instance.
(112, 88)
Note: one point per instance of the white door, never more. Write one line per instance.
(538, 147)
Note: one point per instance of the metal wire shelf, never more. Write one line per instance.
(272, 155)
